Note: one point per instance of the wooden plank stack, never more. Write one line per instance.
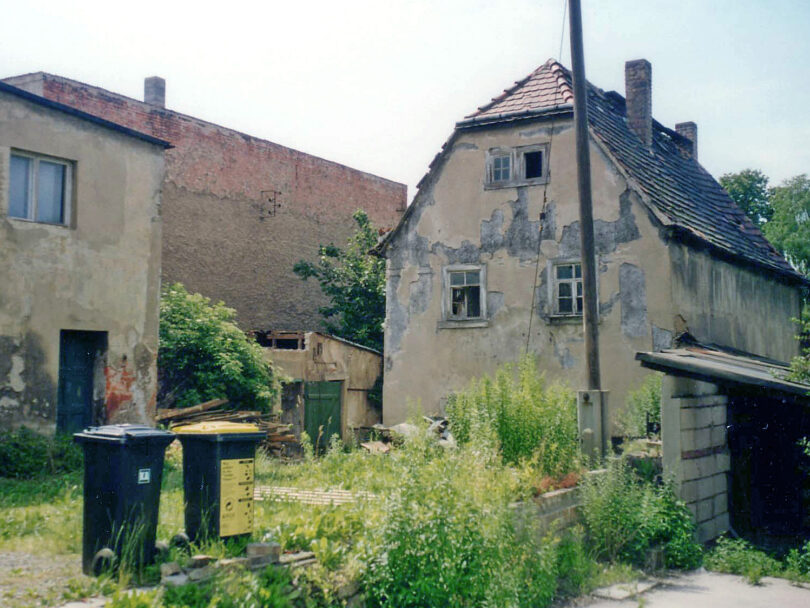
(278, 434)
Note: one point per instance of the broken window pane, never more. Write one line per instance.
(473, 302)
(534, 164)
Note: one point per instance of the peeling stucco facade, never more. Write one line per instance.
(100, 272)
(645, 277)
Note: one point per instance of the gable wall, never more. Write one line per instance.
(221, 236)
(458, 221)
(102, 273)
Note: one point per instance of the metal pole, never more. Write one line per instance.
(590, 317)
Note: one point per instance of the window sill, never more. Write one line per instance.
(463, 324)
(41, 223)
(539, 181)
(564, 319)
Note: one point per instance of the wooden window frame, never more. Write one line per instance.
(517, 164)
(448, 320)
(553, 289)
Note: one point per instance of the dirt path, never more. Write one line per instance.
(40, 580)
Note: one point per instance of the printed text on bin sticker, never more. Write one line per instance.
(236, 496)
(144, 476)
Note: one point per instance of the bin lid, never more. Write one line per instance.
(216, 428)
(121, 433)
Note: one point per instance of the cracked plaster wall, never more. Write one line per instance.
(101, 273)
(458, 221)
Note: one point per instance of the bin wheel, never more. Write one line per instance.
(161, 549)
(103, 561)
(181, 541)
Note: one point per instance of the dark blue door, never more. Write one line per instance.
(78, 352)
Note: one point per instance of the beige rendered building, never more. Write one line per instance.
(79, 266)
(484, 265)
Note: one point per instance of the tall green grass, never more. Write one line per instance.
(527, 418)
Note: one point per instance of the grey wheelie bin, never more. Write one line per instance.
(123, 468)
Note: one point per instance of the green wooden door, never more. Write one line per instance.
(322, 411)
(77, 356)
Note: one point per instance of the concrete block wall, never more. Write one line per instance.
(695, 450)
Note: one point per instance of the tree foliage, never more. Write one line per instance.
(789, 228)
(354, 282)
(749, 189)
(204, 355)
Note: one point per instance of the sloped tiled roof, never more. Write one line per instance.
(681, 193)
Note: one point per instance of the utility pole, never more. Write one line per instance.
(585, 203)
(593, 403)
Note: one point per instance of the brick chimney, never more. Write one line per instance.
(154, 91)
(689, 131)
(638, 90)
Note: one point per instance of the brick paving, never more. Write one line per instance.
(310, 497)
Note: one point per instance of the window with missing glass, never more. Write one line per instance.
(465, 293)
(40, 188)
(523, 166)
(568, 289)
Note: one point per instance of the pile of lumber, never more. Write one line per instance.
(278, 435)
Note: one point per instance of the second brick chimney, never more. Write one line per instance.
(638, 91)
(689, 131)
(154, 91)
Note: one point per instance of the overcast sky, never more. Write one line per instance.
(379, 85)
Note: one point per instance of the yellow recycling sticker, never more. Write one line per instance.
(236, 496)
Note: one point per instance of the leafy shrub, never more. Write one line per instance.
(25, 454)
(737, 556)
(204, 355)
(797, 563)
(576, 567)
(449, 538)
(642, 403)
(624, 518)
(528, 419)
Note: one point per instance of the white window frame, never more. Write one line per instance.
(517, 164)
(67, 194)
(447, 295)
(553, 283)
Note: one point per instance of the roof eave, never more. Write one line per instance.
(480, 121)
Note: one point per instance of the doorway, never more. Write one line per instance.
(82, 356)
(322, 411)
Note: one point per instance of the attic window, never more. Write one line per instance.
(524, 166)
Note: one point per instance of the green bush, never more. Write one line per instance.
(625, 517)
(25, 454)
(797, 563)
(576, 567)
(642, 403)
(449, 538)
(527, 418)
(737, 556)
(204, 355)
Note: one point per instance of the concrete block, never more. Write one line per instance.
(201, 574)
(720, 483)
(688, 418)
(703, 417)
(720, 415)
(718, 436)
(689, 388)
(688, 440)
(689, 491)
(702, 438)
(696, 468)
(707, 530)
(723, 462)
(705, 488)
(271, 550)
(723, 524)
(720, 504)
(705, 510)
(175, 580)
(200, 561)
(233, 563)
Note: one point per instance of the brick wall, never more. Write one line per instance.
(696, 455)
(221, 236)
